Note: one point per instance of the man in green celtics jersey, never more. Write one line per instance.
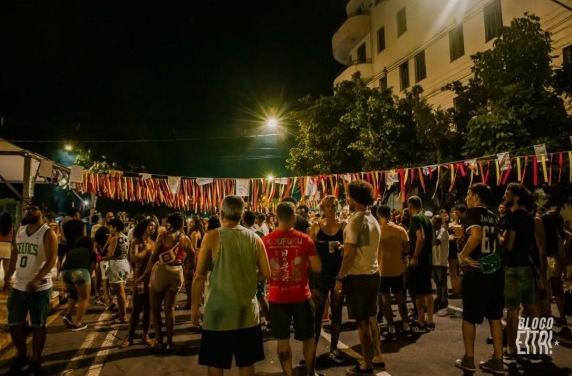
(33, 259)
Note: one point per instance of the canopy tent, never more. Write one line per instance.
(22, 166)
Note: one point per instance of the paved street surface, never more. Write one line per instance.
(96, 351)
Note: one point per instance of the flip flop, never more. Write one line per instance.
(126, 343)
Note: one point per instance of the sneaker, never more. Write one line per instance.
(336, 356)
(34, 368)
(17, 365)
(420, 329)
(493, 365)
(466, 364)
(112, 307)
(68, 320)
(534, 359)
(508, 358)
(430, 325)
(356, 371)
(77, 328)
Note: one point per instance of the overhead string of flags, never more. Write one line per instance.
(201, 194)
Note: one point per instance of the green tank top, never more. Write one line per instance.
(230, 301)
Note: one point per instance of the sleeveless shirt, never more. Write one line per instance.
(230, 302)
(122, 249)
(331, 262)
(31, 258)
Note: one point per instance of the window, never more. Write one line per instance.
(420, 71)
(361, 55)
(401, 22)
(381, 39)
(567, 55)
(404, 75)
(456, 42)
(383, 83)
(493, 20)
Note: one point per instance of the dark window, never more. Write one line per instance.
(361, 56)
(420, 70)
(404, 75)
(567, 55)
(401, 22)
(383, 83)
(381, 39)
(456, 42)
(493, 20)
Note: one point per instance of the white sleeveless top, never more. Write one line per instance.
(31, 258)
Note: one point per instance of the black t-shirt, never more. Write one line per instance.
(522, 223)
(422, 222)
(79, 258)
(72, 229)
(100, 238)
(552, 225)
(487, 221)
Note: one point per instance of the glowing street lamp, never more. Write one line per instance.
(68, 147)
(272, 122)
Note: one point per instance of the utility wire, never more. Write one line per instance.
(116, 141)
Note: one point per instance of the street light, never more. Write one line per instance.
(272, 122)
(68, 147)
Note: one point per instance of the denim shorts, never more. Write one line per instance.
(36, 303)
(76, 277)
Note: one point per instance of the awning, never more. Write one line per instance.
(13, 160)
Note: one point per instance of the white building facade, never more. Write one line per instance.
(401, 43)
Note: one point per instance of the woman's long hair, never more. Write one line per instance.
(140, 228)
(5, 223)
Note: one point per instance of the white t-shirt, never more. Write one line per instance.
(31, 258)
(441, 251)
(363, 230)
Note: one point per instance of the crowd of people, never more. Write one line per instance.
(244, 271)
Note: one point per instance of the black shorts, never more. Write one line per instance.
(219, 347)
(361, 294)
(282, 314)
(483, 296)
(391, 284)
(419, 280)
(62, 250)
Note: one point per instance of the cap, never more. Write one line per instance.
(35, 202)
(428, 213)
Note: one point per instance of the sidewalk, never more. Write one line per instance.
(5, 340)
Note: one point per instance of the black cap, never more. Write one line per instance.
(35, 202)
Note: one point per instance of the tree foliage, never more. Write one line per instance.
(359, 128)
(510, 101)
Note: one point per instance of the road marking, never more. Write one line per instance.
(349, 351)
(99, 361)
(87, 344)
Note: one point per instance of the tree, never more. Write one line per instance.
(510, 101)
(364, 129)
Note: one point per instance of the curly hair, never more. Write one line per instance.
(361, 191)
(141, 227)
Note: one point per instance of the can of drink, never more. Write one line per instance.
(140, 288)
(331, 247)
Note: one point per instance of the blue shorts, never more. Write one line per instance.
(76, 277)
(20, 303)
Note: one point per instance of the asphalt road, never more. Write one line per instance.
(95, 351)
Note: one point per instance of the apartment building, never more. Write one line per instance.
(401, 43)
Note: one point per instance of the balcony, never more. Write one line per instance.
(366, 70)
(356, 7)
(349, 34)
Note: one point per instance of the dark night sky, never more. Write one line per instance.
(163, 69)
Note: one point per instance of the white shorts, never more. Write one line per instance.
(119, 271)
(104, 266)
(5, 250)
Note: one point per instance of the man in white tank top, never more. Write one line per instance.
(32, 260)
